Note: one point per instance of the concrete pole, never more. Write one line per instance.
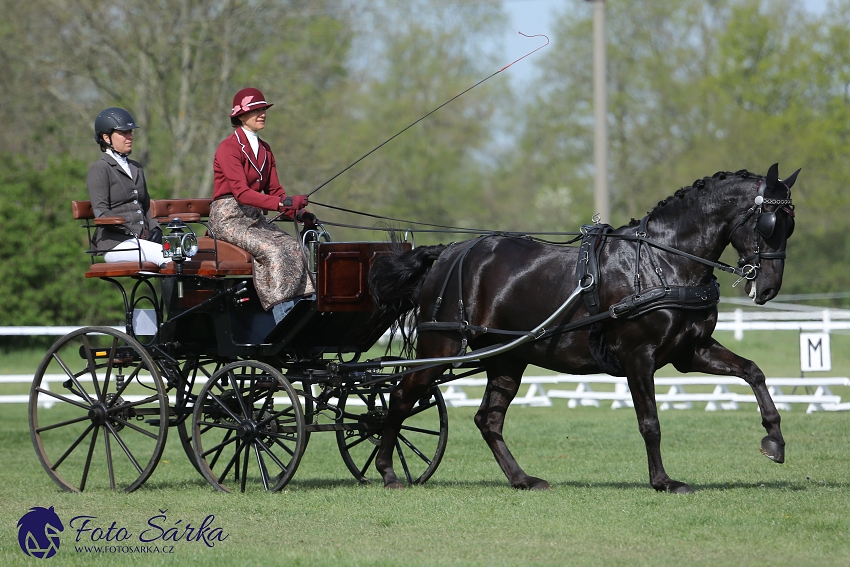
(601, 200)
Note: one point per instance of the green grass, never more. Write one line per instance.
(600, 511)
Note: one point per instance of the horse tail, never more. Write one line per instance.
(396, 278)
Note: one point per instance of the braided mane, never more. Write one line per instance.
(698, 184)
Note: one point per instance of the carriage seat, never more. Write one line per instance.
(214, 258)
(82, 210)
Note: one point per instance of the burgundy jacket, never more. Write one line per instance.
(253, 181)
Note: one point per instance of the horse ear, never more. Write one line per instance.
(772, 176)
(791, 179)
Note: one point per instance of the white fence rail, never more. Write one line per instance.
(824, 321)
(671, 393)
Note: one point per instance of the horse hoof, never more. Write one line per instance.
(394, 485)
(533, 483)
(773, 449)
(680, 488)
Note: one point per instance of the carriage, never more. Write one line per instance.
(246, 388)
(243, 387)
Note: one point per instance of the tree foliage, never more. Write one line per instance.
(694, 87)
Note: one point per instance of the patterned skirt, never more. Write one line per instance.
(279, 270)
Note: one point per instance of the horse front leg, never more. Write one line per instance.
(640, 373)
(503, 380)
(714, 358)
(402, 399)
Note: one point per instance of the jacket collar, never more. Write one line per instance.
(256, 163)
(111, 161)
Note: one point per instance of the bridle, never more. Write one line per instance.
(763, 229)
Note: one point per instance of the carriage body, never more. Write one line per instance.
(244, 387)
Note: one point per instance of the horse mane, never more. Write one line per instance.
(699, 184)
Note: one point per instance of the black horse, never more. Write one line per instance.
(474, 289)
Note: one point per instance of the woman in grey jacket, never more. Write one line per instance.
(117, 188)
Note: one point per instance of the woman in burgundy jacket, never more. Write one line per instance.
(245, 186)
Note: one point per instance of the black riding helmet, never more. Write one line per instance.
(109, 120)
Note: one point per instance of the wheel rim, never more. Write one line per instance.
(248, 428)
(421, 442)
(104, 423)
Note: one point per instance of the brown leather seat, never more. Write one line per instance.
(82, 210)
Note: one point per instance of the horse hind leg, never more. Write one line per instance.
(402, 399)
(503, 380)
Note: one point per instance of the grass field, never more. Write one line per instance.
(600, 511)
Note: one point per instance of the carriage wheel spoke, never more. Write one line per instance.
(62, 398)
(62, 424)
(124, 447)
(134, 427)
(129, 379)
(237, 391)
(109, 459)
(108, 374)
(73, 446)
(233, 460)
(423, 407)
(416, 451)
(223, 406)
(403, 463)
(279, 443)
(227, 440)
(71, 376)
(369, 461)
(264, 473)
(244, 478)
(274, 457)
(419, 430)
(92, 366)
(88, 459)
(276, 416)
(357, 441)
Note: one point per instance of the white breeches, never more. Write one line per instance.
(128, 251)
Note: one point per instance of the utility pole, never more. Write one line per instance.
(601, 199)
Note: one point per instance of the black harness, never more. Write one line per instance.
(642, 301)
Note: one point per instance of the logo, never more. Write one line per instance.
(38, 532)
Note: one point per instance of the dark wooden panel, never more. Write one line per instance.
(343, 272)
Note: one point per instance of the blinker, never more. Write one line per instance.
(766, 223)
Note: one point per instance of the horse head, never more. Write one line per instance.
(761, 235)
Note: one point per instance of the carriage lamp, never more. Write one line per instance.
(179, 244)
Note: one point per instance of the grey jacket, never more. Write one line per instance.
(114, 194)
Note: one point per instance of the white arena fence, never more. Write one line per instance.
(592, 390)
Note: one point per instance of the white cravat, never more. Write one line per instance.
(122, 161)
(253, 139)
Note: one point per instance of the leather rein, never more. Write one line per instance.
(588, 277)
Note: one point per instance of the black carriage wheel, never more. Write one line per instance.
(191, 371)
(98, 412)
(420, 444)
(248, 428)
